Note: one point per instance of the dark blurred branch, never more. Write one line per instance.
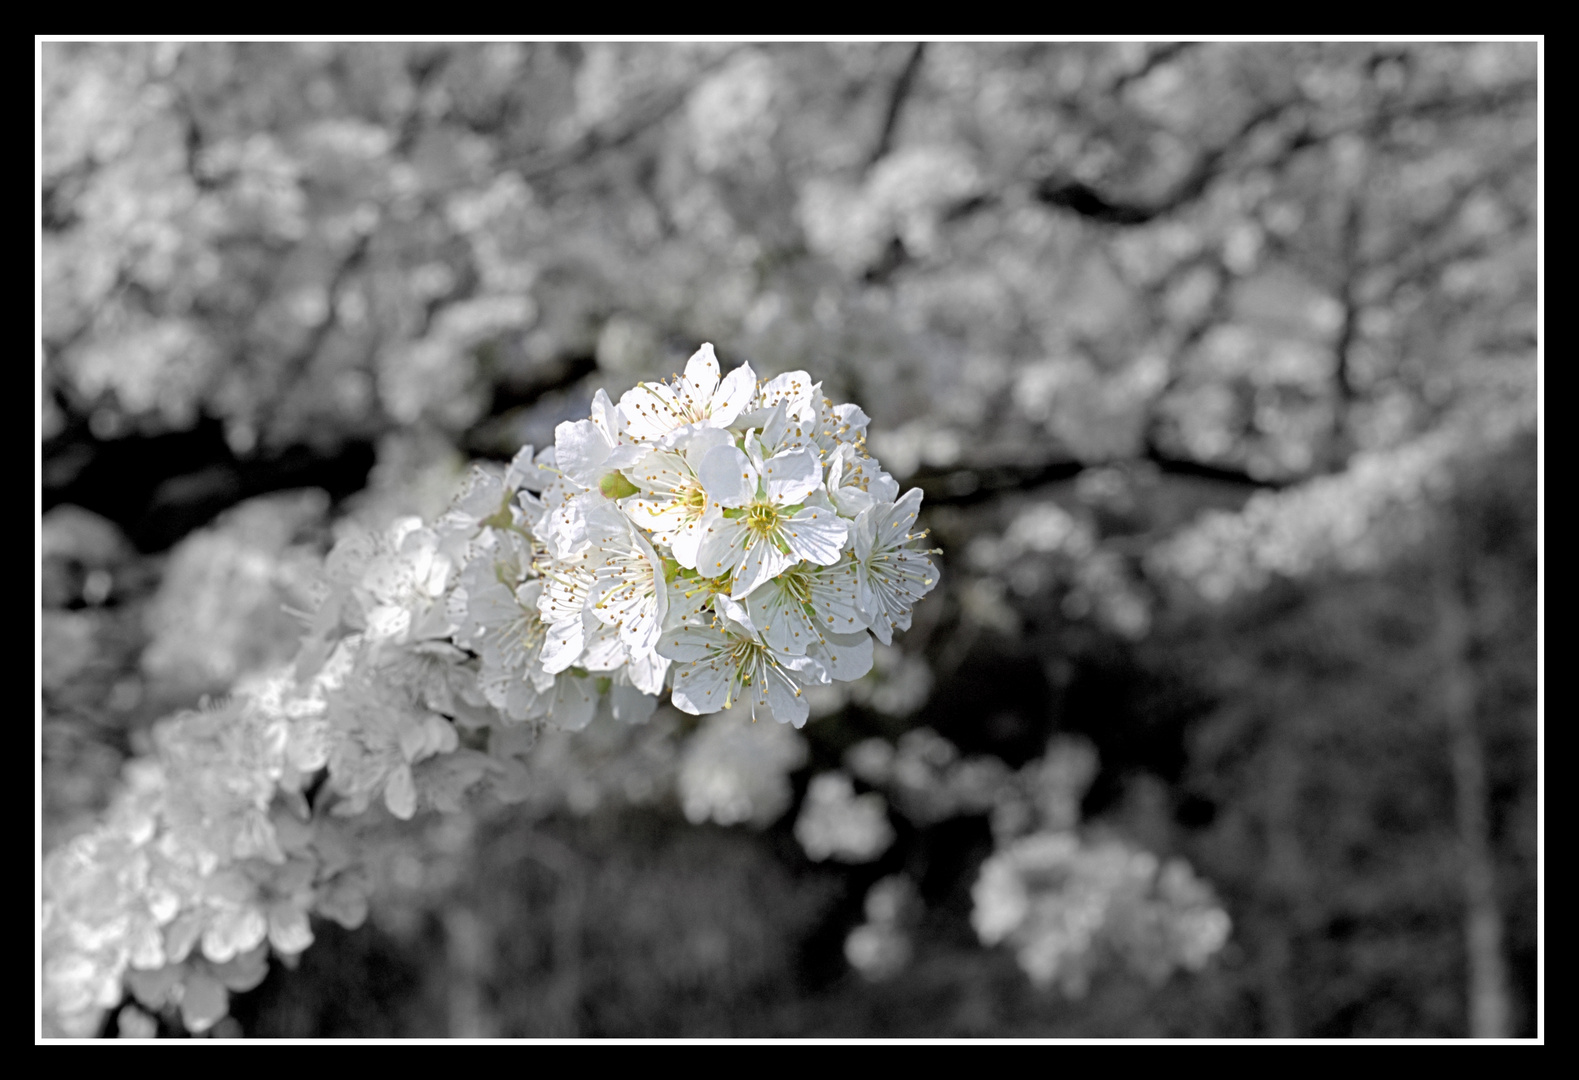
(1342, 374)
(1086, 201)
(158, 488)
(978, 483)
(1420, 256)
(971, 484)
(423, 68)
(1490, 1012)
(1221, 473)
(1456, 106)
(193, 141)
(1154, 59)
(896, 103)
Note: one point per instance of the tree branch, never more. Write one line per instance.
(1154, 59)
(1088, 202)
(896, 103)
(972, 484)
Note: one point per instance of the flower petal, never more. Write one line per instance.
(630, 705)
(894, 523)
(790, 477)
(689, 644)
(581, 449)
(647, 672)
(400, 793)
(723, 542)
(760, 562)
(785, 698)
(702, 685)
(816, 534)
(701, 371)
(732, 396)
(846, 657)
(563, 645)
(728, 476)
(573, 703)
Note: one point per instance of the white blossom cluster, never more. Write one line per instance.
(836, 823)
(723, 539)
(1062, 903)
(726, 538)
(1066, 902)
(200, 867)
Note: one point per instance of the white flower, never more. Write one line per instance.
(500, 560)
(403, 582)
(489, 501)
(1059, 901)
(769, 530)
(841, 424)
(563, 606)
(566, 700)
(891, 574)
(795, 389)
(377, 737)
(672, 500)
(652, 410)
(562, 528)
(856, 482)
(794, 610)
(531, 473)
(587, 450)
(716, 668)
(700, 601)
(792, 396)
(816, 421)
(880, 947)
(628, 591)
(504, 626)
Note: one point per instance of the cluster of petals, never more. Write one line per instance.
(1058, 899)
(725, 537)
(720, 537)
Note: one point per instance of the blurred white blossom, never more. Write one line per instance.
(735, 772)
(880, 948)
(837, 823)
(1062, 904)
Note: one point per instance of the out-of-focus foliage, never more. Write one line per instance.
(1207, 357)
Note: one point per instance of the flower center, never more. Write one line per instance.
(747, 658)
(762, 519)
(692, 497)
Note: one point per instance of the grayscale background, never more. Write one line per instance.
(1216, 364)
